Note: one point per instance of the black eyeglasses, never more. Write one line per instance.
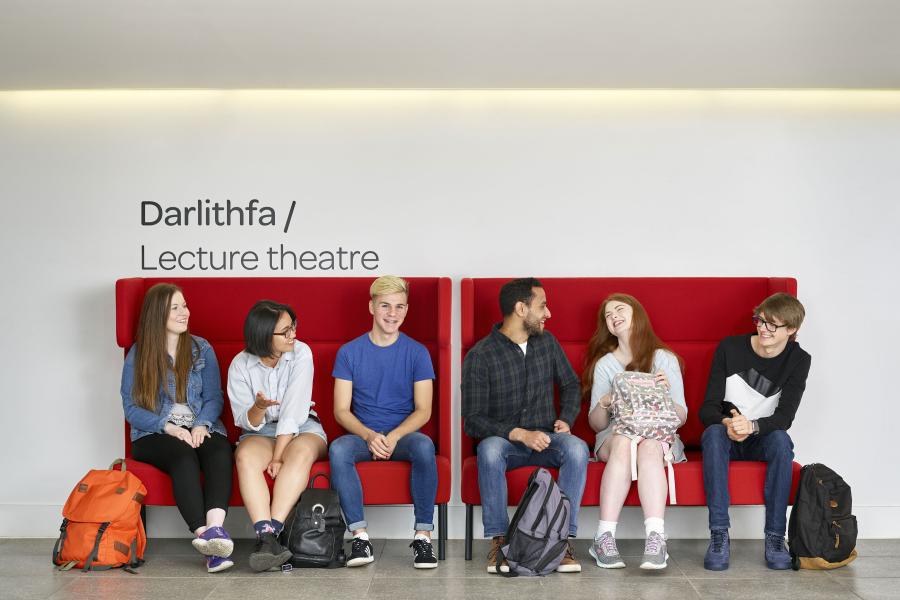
(770, 327)
(289, 331)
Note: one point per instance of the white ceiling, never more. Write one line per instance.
(68, 44)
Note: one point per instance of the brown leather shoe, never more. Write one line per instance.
(569, 563)
(496, 543)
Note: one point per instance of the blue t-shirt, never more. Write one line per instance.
(383, 378)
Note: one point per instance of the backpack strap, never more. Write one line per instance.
(668, 457)
(93, 555)
(312, 482)
(60, 541)
(116, 463)
(635, 440)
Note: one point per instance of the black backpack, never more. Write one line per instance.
(314, 530)
(822, 532)
(539, 531)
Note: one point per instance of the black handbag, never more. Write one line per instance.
(314, 530)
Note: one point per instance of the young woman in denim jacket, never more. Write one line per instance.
(270, 390)
(172, 398)
(624, 341)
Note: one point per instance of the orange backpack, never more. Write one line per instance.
(102, 526)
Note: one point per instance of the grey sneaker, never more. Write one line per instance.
(655, 553)
(606, 553)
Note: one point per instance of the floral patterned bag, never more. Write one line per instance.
(643, 409)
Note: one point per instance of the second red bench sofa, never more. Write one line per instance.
(691, 314)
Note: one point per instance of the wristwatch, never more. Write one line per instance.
(755, 425)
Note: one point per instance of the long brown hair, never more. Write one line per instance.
(643, 341)
(151, 360)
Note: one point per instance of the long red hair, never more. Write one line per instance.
(643, 341)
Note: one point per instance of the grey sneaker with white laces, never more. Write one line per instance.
(655, 552)
(606, 553)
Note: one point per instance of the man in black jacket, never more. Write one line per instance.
(755, 386)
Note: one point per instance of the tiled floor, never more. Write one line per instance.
(175, 572)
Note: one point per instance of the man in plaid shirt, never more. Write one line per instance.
(507, 398)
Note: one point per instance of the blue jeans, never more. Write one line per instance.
(417, 448)
(496, 455)
(775, 448)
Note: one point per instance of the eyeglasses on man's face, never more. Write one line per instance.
(289, 332)
(770, 327)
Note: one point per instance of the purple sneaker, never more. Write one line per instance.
(214, 564)
(215, 541)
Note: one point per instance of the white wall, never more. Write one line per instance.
(801, 184)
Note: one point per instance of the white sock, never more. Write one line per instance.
(655, 524)
(363, 535)
(605, 526)
(422, 536)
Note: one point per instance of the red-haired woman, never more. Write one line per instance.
(172, 397)
(624, 341)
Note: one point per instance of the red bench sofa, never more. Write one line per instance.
(691, 314)
(330, 312)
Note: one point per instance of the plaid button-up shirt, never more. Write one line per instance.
(502, 388)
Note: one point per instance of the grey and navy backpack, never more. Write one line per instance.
(539, 531)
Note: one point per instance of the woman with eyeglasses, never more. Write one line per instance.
(172, 399)
(624, 341)
(755, 385)
(270, 390)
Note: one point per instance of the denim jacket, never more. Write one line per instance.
(204, 394)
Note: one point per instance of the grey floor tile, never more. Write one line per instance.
(753, 589)
(396, 565)
(600, 588)
(31, 587)
(870, 566)
(27, 547)
(873, 548)
(134, 588)
(24, 564)
(285, 586)
(411, 588)
(875, 588)
(747, 560)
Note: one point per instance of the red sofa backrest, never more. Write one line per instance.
(691, 314)
(330, 311)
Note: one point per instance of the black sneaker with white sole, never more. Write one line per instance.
(360, 553)
(423, 554)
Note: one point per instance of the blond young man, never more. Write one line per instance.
(382, 397)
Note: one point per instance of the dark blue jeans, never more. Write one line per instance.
(775, 448)
(496, 455)
(417, 448)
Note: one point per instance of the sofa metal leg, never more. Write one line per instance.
(442, 531)
(470, 513)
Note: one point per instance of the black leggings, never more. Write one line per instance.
(184, 465)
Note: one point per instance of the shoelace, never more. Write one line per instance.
(608, 545)
(359, 545)
(653, 544)
(775, 543)
(718, 540)
(422, 547)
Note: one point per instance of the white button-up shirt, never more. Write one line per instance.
(289, 382)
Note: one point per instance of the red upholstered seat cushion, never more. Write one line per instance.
(745, 485)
